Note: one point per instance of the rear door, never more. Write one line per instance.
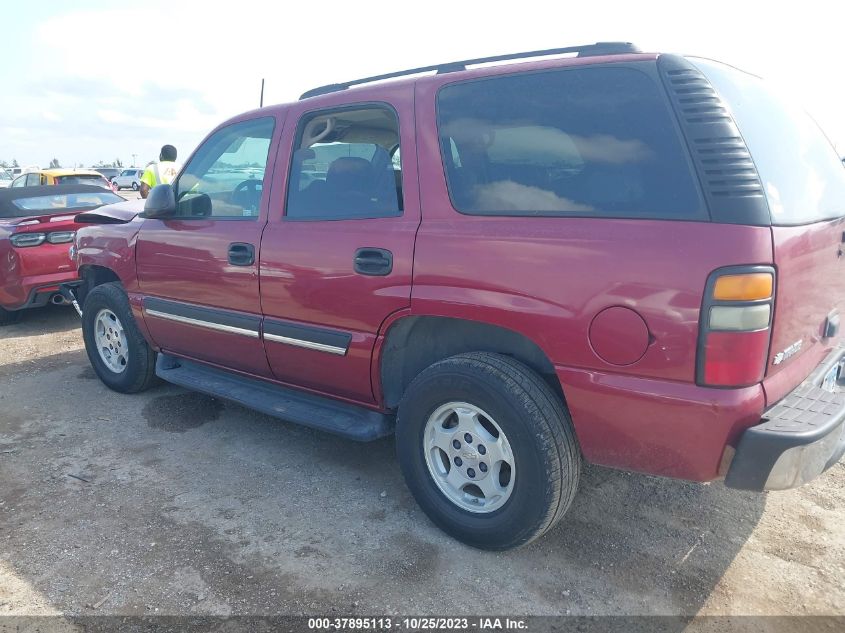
(337, 255)
(198, 271)
(804, 181)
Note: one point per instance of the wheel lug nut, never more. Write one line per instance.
(482, 467)
(471, 473)
(456, 444)
(468, 438)
(458, 461)
(482, 450)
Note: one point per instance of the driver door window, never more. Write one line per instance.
(224, 179)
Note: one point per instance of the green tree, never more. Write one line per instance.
(3, 163)
(15, 162)
(54, 164)
(118, 162)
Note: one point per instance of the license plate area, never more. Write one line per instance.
(830, 382)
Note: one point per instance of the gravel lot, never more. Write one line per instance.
(171, 502)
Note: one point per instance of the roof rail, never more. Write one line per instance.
(588, 50)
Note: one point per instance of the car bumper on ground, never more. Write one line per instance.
(800, 437)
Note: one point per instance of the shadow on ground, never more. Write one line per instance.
(47, 320)
(177, 503)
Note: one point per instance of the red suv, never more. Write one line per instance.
(626, 258)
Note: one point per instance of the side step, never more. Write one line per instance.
(332, 416)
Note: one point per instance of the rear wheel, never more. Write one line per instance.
(118, 352)
(7, 317)
(488, 450)
(135, 186)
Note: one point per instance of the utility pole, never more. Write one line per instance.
(133, 159)
(261, 102)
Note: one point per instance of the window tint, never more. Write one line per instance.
(342, 166)
(68, 201)
(225, 177)
(800, 170)
(585, 142)
(33, 179)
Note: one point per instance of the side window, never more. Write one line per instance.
(33, 179)
(224, 179)
(595, 142)
(346, 165)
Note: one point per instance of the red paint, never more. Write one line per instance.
(33, 269)
(619, 336)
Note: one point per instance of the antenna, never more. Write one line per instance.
(261, 103)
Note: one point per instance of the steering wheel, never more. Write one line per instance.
(247, 194)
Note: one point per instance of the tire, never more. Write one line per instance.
(507, 397)
(132, 367)
(8, 317)
(135, 186)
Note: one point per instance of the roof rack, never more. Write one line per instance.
(588, 50)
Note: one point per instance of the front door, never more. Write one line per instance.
(198, 271)
(336, 261)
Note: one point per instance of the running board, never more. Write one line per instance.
(324, 414)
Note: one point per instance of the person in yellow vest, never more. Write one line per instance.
(161, 172)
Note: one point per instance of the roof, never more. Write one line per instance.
(68, 172)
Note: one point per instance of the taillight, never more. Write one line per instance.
(735, 326)
(22, 240)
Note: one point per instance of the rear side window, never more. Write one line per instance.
(801, 173)
(592, 142)
(346, 165)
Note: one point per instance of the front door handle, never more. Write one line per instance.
(241, 254)
(376, 262)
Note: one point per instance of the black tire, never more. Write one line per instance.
(139, 372)
(135, 186)
(537, 426)
(7, 317)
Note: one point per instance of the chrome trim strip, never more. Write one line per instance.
(320, 347)
(206, 324)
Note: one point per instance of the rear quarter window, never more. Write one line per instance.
(802, 174)
(591, 142)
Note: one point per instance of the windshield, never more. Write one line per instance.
(43, 205)
(81, 179)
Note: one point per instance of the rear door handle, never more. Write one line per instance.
(241, 254)
(376, 262)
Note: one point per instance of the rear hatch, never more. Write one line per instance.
(804, 183)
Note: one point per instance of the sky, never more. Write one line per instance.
(93, 81)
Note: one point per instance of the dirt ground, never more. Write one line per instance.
(171, 502)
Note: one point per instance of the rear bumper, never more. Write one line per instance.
(35, 293)
(800, 437)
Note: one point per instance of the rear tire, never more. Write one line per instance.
(135, 186)
(516, 459)
(118, 352)
(7, 317)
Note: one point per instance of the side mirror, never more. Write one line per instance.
(161, 203)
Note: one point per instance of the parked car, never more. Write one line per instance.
(61, 177)
(36, 230)
(625, 258)
(5, 178)
(128, 179)
(108, 172)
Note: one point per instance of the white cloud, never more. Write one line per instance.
(127, 83)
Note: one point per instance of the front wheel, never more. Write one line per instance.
(118, 352)
(135, 186)
(488, 450)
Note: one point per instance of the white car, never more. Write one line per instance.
(128, 179)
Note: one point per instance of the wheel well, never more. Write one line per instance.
(414, 343)
(95, 276)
